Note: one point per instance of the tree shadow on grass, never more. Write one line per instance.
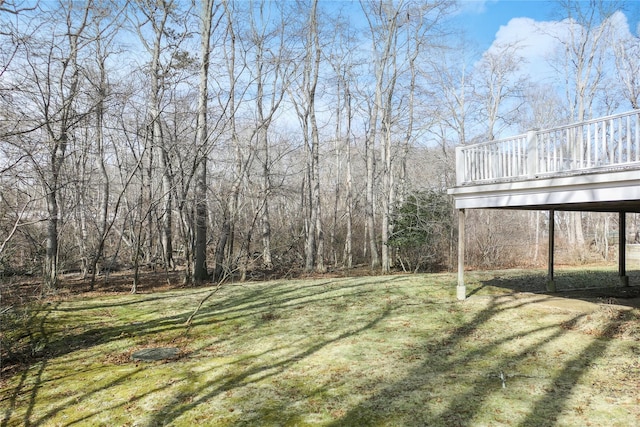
(475, 373)
(253, 302)
(592, 285)
(254, 374)
(478, 375)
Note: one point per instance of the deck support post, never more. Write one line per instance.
(461, 290)
(622, 249)
(551, 284)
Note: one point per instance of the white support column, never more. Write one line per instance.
(622, 248)
(551, 284)
(461, 290)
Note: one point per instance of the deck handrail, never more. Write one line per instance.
(606, 142)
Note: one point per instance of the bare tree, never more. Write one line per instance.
(500, 88)
(305, 105)
(48, 85)
(342, 59)
(626, 53)
(200, 271)
(398, 32)
(269, 67)
(166, 55)
(382, 18)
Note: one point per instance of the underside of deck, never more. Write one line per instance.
(617, 191)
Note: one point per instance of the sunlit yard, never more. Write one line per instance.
(393, 350)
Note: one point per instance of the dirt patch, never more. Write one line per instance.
(567, 304)
(155, 354)
(541, 301)
(626, 296)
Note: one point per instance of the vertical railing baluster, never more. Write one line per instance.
(546, 150)
(620, 140)
(555, 153)
(520, 159)
(558, 146)
(562, 150)
(637, 141)
(466, 159)
(588, 147)
(510, 159)
(474, 158)
(628, 135)
(474, 164)
(593, 144)
(514, 159)
(521, 156)
(485, 162)
(609, 141)
(597, 134)
(579, 145)
(503, 159)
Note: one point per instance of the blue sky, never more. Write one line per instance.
(482, 18)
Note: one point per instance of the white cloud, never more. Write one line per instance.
(540, 46)
(537, 41)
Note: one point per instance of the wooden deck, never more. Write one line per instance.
(588, 166)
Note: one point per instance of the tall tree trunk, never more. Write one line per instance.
(314, 243)
(200, 271)
(266, 172)
(336, 185)
(369, 205)
(104, 206)
(224, 248)
(315, 138)
(348, 244)
(157, 138)
(51, 252)
(58, 144)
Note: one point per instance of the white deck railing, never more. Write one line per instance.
(604, 143)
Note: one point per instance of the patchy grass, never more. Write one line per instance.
(392, 350)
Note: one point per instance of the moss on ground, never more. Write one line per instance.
(391, 350)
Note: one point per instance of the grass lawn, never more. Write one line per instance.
(395, 350)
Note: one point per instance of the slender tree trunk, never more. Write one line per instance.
(224, 248)
(166, 226)
(310, 219)
(200, 271)
(104, 206)
(68, 80)
(51, 253)
(81, 209)
(336, 185)
(314, 243)
(348, 244)
(315, 138)
(369, 207)
(266, 181)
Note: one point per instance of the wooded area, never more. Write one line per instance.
(222, 137)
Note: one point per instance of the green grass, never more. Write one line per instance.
(392, 350)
